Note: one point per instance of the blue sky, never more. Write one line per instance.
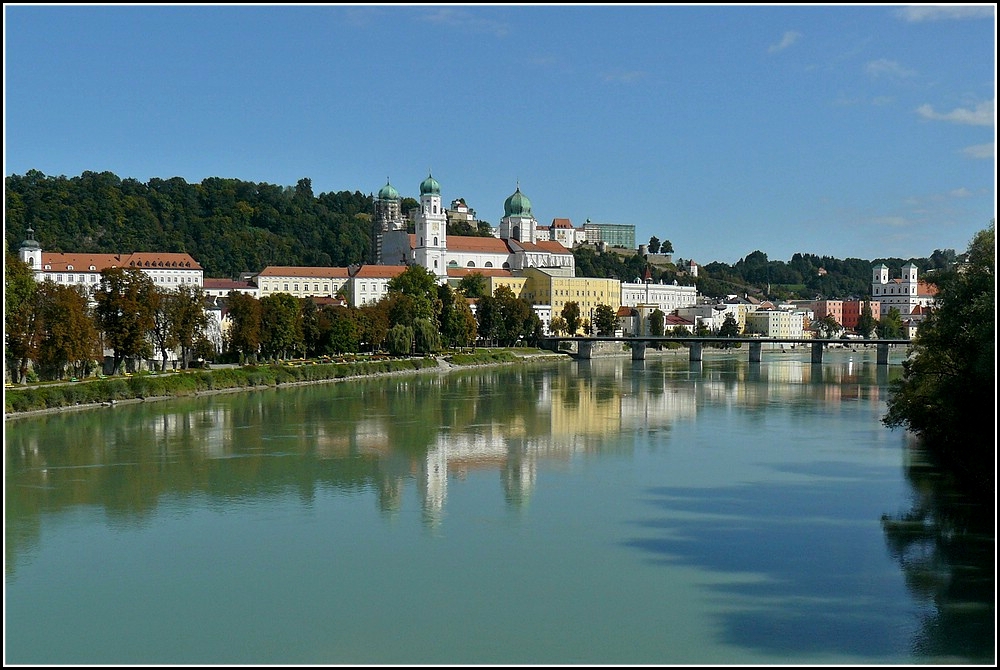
(850, 131)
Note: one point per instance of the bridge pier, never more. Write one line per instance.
(695, 352)
(638, 351)
(881, 354)
(817, 352)
(585, 349)
(755, 348)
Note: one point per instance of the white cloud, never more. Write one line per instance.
(623, 77)
(787, 40)
(935, 13)
(982, 115)
(884, 67)
(960, 193)
(458, 19)
(988, 150)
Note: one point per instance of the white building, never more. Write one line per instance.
(516, 247)
(167, 270)
(907, 294)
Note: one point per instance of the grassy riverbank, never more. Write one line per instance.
(148, 385)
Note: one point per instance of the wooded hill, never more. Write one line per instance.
(232, 226)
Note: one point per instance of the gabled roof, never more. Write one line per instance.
(60, 262)
(379, 271)
(561, 223)
(473, 244)
(309, 272)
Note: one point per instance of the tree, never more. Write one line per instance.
(666, 247)
(280, 326)
(69, 336)
(243, 336)
(604, 320)
(571, 315)
(162, 333)
(654, 245)
(890, 326)
(187, 314)
(22, 327)
(474, 285)
(506, 318)
(557, 325)
(947, 394)
(124, 313)
(426, 338)
(657, 319)
(458, 324)
(419, 284)
(730, 327)
(399, 340)
(866, 322)
(828, 326)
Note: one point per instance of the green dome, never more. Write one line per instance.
(430, 186)
(517, 205)
(388, 192)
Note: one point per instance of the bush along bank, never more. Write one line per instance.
(192, 382)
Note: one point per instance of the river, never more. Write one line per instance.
(601, 512)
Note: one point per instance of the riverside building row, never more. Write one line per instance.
(534, 261)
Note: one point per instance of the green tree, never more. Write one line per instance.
(280, 326)
(571, 315)
(426, 338)
(373, 325)
(866, 322)
(70, 337)
(657, 319)
(419, 284)
(474, 285)
(163, 334)
(654, 245)
(187, 314)
(243, 336)
(604, 320)
(666, 247)
(124, 313)
(828, 326)
(890, 326)
(22, 327)
(947, 394)
(399, 340)
(730, 327)
(340, 331)
(557, 325)
(458, 324)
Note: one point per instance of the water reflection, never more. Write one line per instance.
(946, 547)
(380, 435)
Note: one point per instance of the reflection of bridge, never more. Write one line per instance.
(585, 345)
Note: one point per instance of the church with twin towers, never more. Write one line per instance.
(516, 244)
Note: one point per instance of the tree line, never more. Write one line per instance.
(233, 227)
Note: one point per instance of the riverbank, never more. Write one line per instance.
(151, 387)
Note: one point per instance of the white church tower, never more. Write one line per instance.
(431, 229)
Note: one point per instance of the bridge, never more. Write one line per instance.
(638, 345)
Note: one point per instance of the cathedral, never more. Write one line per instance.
(515, 247)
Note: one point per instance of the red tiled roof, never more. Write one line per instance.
(60, 262)
(296, 271)
(470, 243)
(561, 223)
(379, 271)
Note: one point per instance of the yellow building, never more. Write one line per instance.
(548, 290)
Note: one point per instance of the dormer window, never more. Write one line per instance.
(69, 267)
(92, 268)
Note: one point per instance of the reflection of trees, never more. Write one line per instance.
(946, 547)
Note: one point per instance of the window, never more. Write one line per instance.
(471, 264)
(286, 287)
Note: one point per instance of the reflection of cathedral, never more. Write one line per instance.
(516, 246)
